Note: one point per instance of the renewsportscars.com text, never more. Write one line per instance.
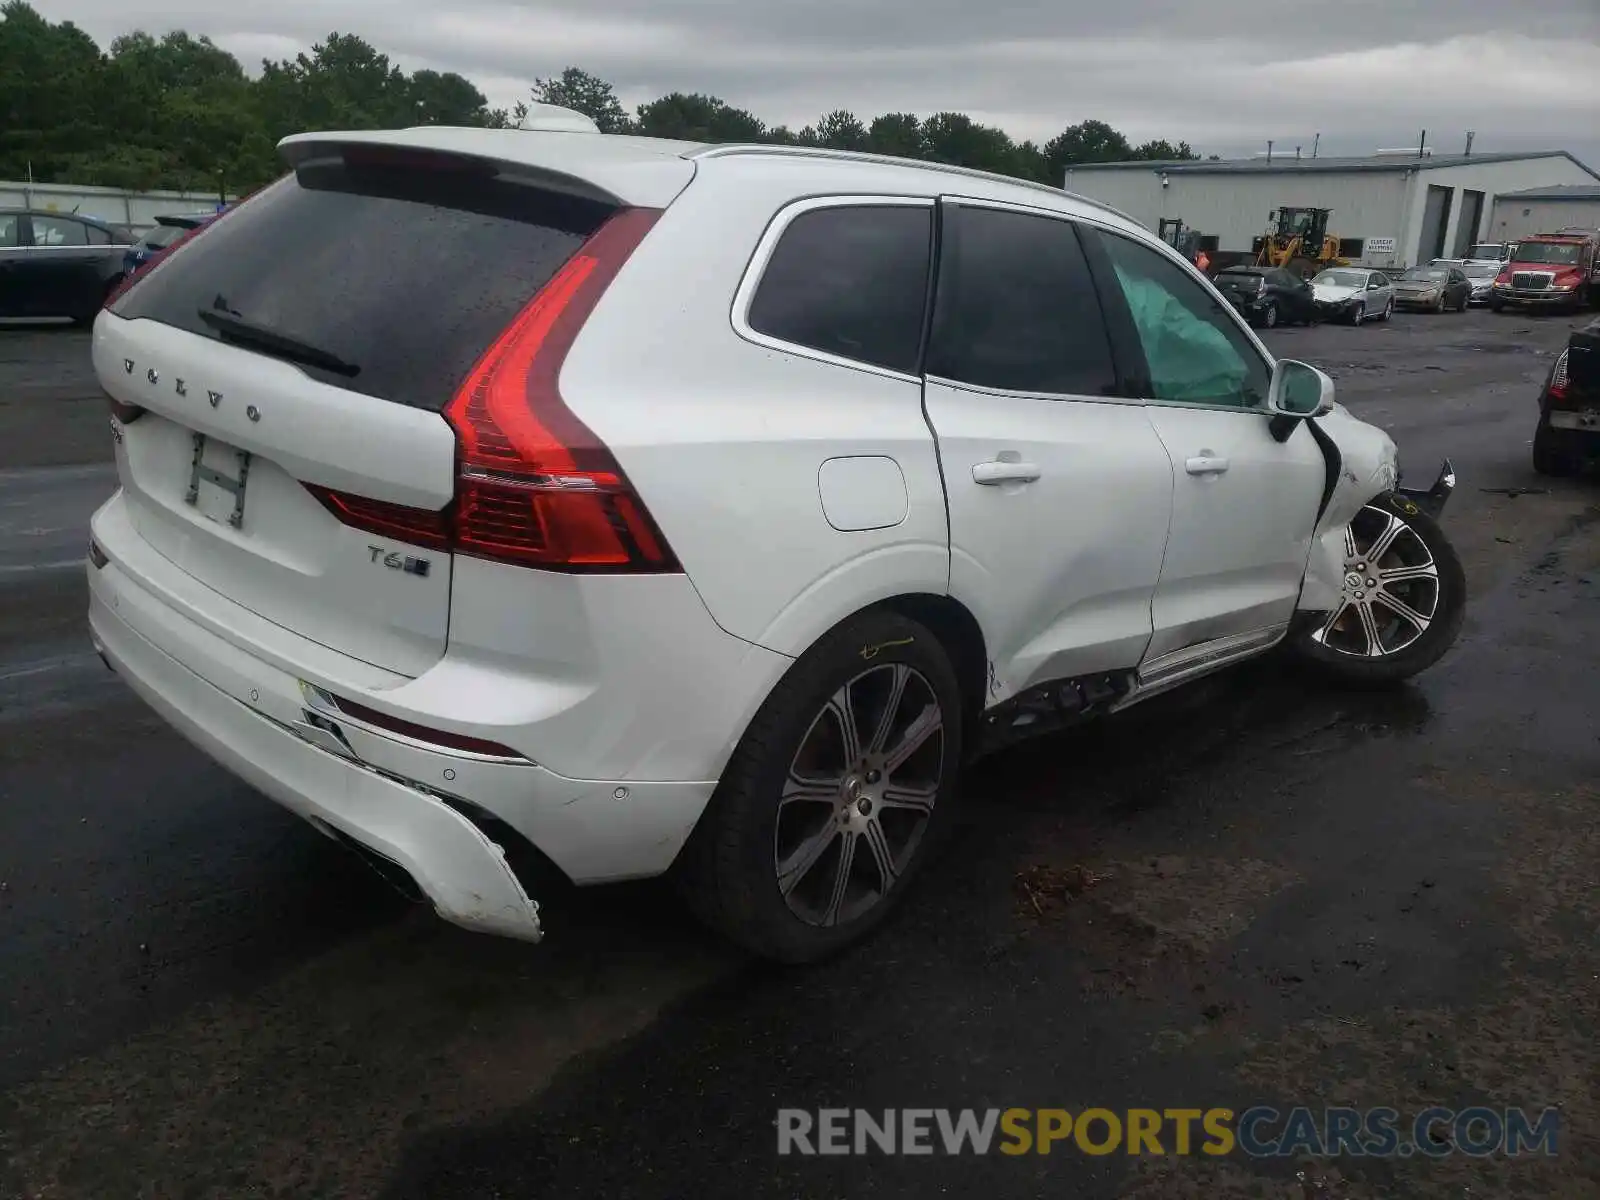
(1259, 1132)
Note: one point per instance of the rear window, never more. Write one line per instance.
(851, 281)
(408, 271)
(1249, 279)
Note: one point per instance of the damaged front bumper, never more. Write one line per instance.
(1433, 499)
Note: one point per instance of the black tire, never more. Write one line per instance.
(1269, 315)
(1388, 310)
(728, 872)
(1358, 314)
(1548, 457)
(1311, 644)
(1497, 305)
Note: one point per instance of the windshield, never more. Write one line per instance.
(1562, 253)
(1486, 250)
(1342, 279)
(1244, 279)
(1427, 274)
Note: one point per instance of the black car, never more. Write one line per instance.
(1268, 296)
(57, 264)
(1568, 434)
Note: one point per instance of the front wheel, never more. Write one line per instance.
(840, 789)
(1402, 603)
(1358, 314)
(1269, 315)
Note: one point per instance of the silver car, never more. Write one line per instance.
(1353, 294)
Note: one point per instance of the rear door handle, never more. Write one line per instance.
(1206, 463)
(990, 473)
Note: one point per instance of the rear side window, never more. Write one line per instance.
(59, 231)
(10, 229)
(851, 281)
(406, 271)
(1016, 307)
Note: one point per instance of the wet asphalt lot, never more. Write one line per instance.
(1254, 891)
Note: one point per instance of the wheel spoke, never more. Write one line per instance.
(916, 735)
(882, 857)
(842, 706)
(900, 675)
(1402, 610)
(841, 877)
(810, 791)
(798, 865)
(915, 798)
(1351, 554)
(1369, 627)
(1427, 570)
(1382, 544)
(1333, 619)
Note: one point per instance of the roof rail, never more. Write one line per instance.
(889, 160)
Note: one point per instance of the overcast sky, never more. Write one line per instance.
(1224, 75)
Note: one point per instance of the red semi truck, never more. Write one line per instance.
(1550, 270)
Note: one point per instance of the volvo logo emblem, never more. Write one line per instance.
(180, 387)
(214, 397)
(127, 366)
(151, 376)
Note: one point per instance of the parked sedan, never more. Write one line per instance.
(1353, 294)
(56, 264)
(1268, 295)
(1481, 275)
(1433, 289)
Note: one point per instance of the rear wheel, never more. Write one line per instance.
(838, 792)
(1402, 602)
(1549, 458)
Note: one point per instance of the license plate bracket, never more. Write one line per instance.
(202, 472)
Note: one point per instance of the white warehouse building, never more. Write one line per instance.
(1405, 208)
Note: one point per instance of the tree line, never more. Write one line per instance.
(180, 112)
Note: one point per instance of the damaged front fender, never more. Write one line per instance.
(1367, 465)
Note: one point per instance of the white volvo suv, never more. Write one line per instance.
(704, 508)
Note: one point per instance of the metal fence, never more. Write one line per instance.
(138, 210)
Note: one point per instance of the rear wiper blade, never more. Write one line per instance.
(278, 344)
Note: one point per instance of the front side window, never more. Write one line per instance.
(1194, 351)
(58, 231)
(851, 281)
(1016, 307)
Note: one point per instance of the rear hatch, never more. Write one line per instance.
(1239, 283)
(280, 378)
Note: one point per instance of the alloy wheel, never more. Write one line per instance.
(1359, 315)
(1390, 593)
(859, 794)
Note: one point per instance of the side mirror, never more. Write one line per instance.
(1299, 390)
(1374, 286)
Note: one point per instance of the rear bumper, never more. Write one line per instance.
(259, 712)
(462, 873)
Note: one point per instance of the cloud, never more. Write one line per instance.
(1224, 74)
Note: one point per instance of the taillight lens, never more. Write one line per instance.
(1558, 380)
(535, 486)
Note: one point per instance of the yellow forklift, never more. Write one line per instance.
(1299, 239)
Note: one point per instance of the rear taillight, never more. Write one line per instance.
(535, 487)
(1558, 380)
